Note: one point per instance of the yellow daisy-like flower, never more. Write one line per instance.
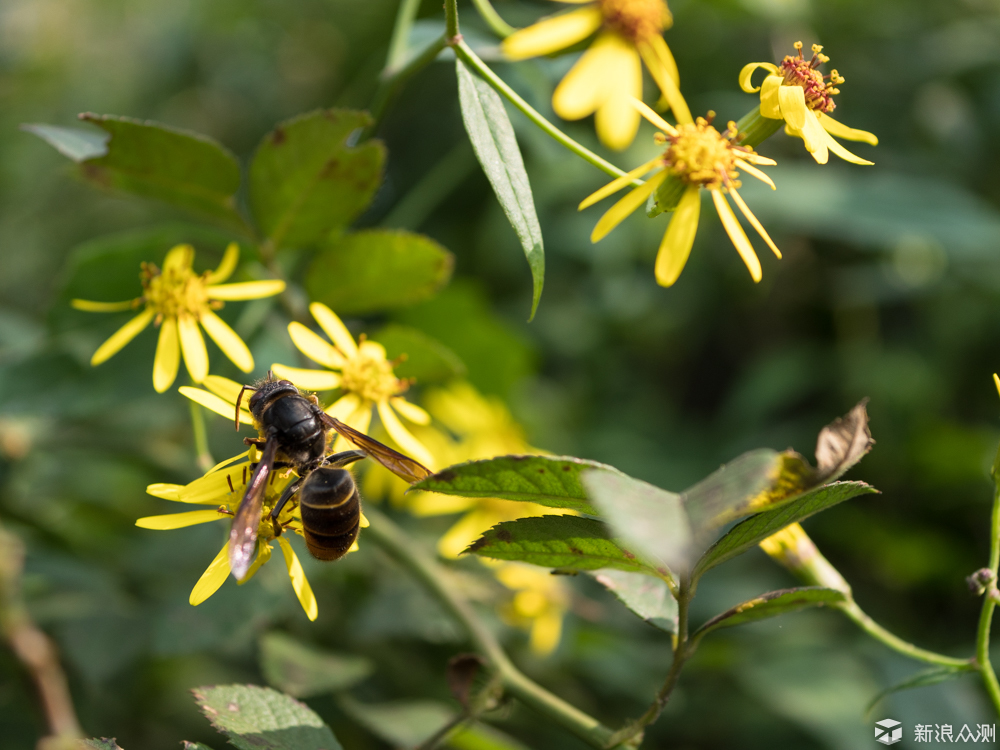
(364, 376)
(539, 604)
(223, 487)
(796, 92)
(177, 300)
(609, 74)
(700, 157)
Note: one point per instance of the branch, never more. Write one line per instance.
(989, 603)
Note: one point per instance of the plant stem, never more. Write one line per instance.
(876, 631)
(472, 60)
(394, 541)
(405, 17)
(394, 79)
(989, 603)
(499, 27)
(756, 128)
(451, 21)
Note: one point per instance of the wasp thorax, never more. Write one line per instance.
(701, 155)
(176, 290)
(369, 374)
(819, 89)
(636, 20)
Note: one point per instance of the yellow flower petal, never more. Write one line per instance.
(334, 327)
(838, 130)
(87, 306)
(179, 520)
(616, 120)
(769, 106)
(747, 73)
(792, 102)
(302, 589)
(646, 111)
(227, 266)
(217, 488)
(227, 340)
(666, 57)
(745, 210)
(617, 213)
(193, 347)
(434, 504)
(363, 522)
(546, 630)
(588, 84)
(465, 531)
(817, 140)
(410, 411)
(224, 388)
(179, 258)
(996, 380)
(360, 419)
(225, 463)
(213, 577)
(121, 337)
(840, 151)
(344, 406)
(165, 490)
(737, 235)
(679, 237)
(403, 437)
(311, 380)
(372, 350)
(552, 34)
(668, 85)
(246, 290)
(751, 170)
(615, 185)
(263, 555)
(213, 403)
(168, 356)
(314, 347)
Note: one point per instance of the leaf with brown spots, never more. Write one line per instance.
(772, 604)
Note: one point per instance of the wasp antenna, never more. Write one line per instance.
(239, 400)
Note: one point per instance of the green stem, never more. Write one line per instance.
(390, 85)
(451, 21)
(499, 27)
(472, 60)
(876, 631)
(203, 456)
(394, 541)
(756, 128)
(989, 603)
(405, 17)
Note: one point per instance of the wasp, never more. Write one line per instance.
(293, 434)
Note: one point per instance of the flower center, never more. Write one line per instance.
(819, 89)
(370, 376)
(636, 20)
(701, 155)
(175, 291)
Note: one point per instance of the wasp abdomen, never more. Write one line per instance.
(331, 512)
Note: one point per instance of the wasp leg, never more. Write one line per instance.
(259, 442)
(285, 497)
(339, 460)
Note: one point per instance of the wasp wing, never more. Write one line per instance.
(402, 466)
(243, 534)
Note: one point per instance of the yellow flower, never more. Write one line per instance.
(792, 548)
(609, 74)
(700, 157)
(223, 487)
(364, 376)
(177, 300)
(539, 604)
(796, 92)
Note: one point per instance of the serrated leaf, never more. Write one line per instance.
(104, 743)
(748, 533)
(924, 678)
(74, 143)
(493, 140)
(179, 167)
(652, 521)
(568, 542)
(552, 481)
(427, 359)
(647, 596)
(772, 604)
(378, 269)
(306, 181)
(258, 718)
(303, 671)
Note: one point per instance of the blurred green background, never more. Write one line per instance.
(890, 289)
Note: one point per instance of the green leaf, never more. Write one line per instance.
(378, 269)
(400, 723)
(105, 743)
(772, 604)
(257, 718)
(306, 181)
(552, 481)
(75, 143)
(303, 671)
(151, 160)
(648, 597)
(750, 532)
(558, 542)
(650, 520)
(493, 140)
(923, 678)
(194, 746)
(427, 359)
(721, 496)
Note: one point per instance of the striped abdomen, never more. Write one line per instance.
(331, 512)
